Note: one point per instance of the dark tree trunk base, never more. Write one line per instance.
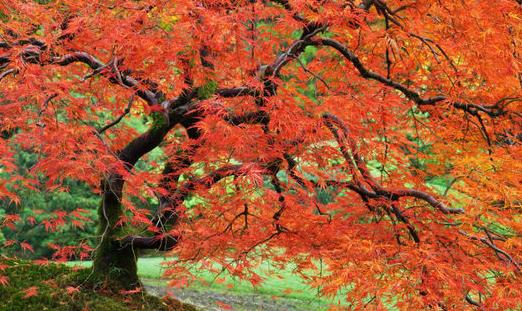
(116, 266)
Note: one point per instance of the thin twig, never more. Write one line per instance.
(113, 123)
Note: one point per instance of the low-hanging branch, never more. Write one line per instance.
(494, 110)
(352, 155)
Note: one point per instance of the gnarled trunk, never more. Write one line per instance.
(115, 259)
(114, 263)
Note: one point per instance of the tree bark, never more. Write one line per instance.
(115, 259)
(115, 262)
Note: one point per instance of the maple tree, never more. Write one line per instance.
(379, 138)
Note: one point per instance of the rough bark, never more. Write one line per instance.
(116, 261)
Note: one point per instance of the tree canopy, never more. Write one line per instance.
(374, 144)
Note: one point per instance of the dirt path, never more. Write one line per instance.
(212, 300)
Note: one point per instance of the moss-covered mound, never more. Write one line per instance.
(57, 287)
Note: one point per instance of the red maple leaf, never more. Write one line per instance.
(30, 292)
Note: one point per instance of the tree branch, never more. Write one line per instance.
(236, 92)
(113, 123)
(368, 74)
(377, 190)
(114, 75)
(7, 72)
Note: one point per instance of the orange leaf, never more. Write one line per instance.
(4, 280)
(30, 292)
(72, 289)
(224, 306)
(26, 247)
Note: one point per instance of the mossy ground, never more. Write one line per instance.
(58, 287)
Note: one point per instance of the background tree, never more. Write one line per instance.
(299, 131)
(51, 217)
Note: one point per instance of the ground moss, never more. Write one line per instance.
(55, 290)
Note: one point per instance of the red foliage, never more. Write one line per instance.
(379, 140)
(30, 292)
(4, 280)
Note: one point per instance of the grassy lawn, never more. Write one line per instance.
(287, 287)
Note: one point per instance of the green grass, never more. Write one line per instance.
(286, 285)
(60, 288)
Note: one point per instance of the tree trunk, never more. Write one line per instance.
(114, 260)
(114, 263)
